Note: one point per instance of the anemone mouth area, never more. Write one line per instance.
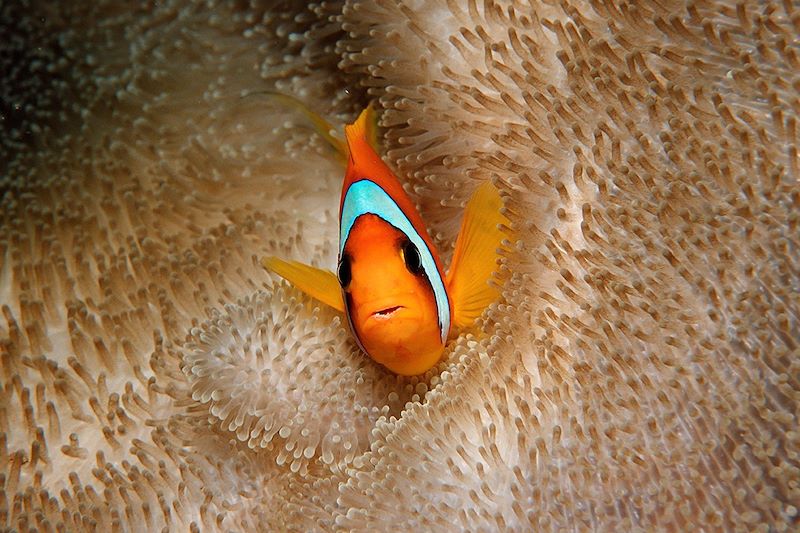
(387, 311)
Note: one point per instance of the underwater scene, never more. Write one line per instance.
(388, 265)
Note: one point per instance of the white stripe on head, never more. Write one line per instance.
(364, 197)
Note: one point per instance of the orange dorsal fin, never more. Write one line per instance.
(475, 256)
(320, 284)
(364, 129)
(365, 163)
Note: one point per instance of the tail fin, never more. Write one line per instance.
(317, 283)
(322, 126)
(475, 256)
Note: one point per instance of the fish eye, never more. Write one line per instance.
(411, 257)
(344, 273)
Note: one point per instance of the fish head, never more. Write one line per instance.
(388, 297)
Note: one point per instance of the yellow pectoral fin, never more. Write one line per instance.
(475, 256)
(317, 283)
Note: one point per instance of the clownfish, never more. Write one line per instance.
(402, 306)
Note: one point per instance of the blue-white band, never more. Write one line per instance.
(366, 196)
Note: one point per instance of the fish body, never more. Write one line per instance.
(389, 281)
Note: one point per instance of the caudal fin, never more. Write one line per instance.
(322, 126)
(317, 283)
(475, 256)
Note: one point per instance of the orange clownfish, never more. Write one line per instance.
(400, 303)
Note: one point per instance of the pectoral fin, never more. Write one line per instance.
(317, 283)
(475, 256)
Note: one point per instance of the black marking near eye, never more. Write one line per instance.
(411, 257)
(344, 273)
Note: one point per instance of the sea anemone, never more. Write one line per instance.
(270, 368)
(639, 372)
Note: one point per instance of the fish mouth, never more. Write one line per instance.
(386, 312)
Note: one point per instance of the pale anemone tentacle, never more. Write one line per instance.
(270, 367)
(645, 178)
(639, 373)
